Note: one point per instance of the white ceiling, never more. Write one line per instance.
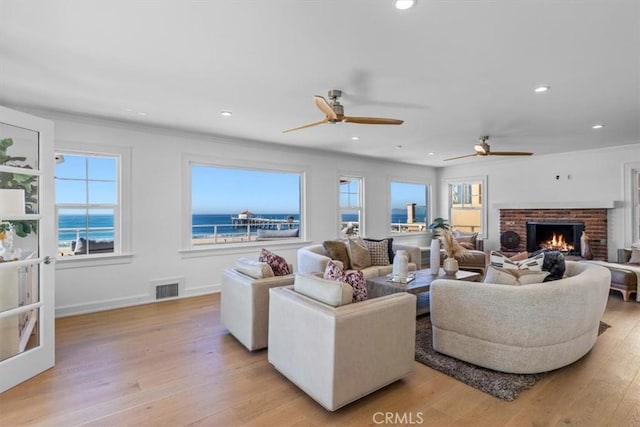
(453, 70)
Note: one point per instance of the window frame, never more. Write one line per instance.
(469, 182)
(428, 209)
(632, 194)
(122, 213)
(189, 159)
(359, 209)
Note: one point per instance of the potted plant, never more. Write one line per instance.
(438, 225)
(10, 180)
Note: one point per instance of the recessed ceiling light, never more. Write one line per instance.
(226, 113)
(597, 126)
(398, 147)
(541, 89)
(431, 153)
(142, 113)
(355, 138)
(405, 4)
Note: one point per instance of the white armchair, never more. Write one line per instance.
(244, 306)
(339, 354)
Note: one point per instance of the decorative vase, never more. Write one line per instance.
(434, 256)
(585, 246)
(6, 244)
(450, 266)
(400, 264)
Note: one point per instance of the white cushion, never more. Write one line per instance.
(253, 268)
(513, 277)
(328, 292)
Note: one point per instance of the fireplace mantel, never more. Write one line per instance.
(588, 204)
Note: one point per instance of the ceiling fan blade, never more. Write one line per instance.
(509, 153)
(462, 157)
(325, 120)
(325, 107)
(371, 120)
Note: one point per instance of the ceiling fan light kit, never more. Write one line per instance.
(334, 113)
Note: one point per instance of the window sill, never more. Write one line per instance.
(240, 248)
(82, 261)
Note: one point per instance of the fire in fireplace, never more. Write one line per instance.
(558, 236)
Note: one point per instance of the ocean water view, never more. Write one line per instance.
(100, 226)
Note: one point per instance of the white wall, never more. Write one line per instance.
(156, 187)
(586, 178)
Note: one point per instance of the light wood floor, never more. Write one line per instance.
(172, 363)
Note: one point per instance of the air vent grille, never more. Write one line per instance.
(169, 290)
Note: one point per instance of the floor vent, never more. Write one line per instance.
(170, 290)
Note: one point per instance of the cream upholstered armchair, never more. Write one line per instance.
(339, 354)
(244, 302)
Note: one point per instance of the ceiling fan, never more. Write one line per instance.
(482, 149)
(334, 113)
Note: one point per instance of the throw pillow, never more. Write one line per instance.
(278, 264)
(635, 256)
(519, 256)
(389, 241)
(359, 255)
(379, 251)
(513, 277)
(336, 249)
(466, 240)
(333, 271)
(355, 278)
(498, 259)
(253, 268)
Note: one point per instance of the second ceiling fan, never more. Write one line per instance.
(334, 113)
(482, 149)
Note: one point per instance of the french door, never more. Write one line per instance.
(27, 247)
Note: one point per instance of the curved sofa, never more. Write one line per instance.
(520, 329)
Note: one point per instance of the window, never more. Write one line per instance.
(87, 203)
(351, 206)
(233, 205)
(636, 206)
(467, 210)
(409, 207)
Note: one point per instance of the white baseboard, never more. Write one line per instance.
(95, 306)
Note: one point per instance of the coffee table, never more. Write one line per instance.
(380, 286)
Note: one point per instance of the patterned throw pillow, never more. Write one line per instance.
(333, 271)
(359, 254)
(336, 249)
(379, 251)
(355, 278)
(389, 241)
(276, 262)
(500, 260)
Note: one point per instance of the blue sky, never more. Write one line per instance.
(231, 191)
(87, 180)
(403, 193)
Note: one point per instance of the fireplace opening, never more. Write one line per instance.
(556, 236)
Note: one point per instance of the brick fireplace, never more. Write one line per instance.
(594, 220)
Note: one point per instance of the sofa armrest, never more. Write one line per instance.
(310, 261)
(415, 255)
(337, 355)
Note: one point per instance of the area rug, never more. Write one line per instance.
(498, 384)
